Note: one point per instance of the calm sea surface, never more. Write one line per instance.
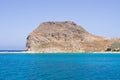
(59, 66)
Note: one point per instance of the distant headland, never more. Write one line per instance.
(67, 36)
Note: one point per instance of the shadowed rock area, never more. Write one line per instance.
(67, 36)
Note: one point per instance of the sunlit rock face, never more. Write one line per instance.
(65, 36)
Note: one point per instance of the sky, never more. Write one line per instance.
(18, 18)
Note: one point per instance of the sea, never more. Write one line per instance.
(59, 66)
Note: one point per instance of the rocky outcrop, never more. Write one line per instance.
(115, 46)
(65, 37)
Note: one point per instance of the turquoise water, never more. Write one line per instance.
(59, 66)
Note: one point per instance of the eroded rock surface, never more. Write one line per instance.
(65, 37)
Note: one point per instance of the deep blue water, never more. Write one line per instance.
(59, 66)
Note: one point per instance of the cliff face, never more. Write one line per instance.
(65, 37)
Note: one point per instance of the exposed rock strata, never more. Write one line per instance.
(65, 37)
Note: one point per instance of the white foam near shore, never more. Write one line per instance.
(106, 52)
(24, 52)
(32, 52)
(72, 52)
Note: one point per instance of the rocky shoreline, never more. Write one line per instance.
(67, 36)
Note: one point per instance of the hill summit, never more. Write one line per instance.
(67, 36)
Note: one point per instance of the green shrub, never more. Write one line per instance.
(108, 49)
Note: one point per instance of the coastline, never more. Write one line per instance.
(33, 52)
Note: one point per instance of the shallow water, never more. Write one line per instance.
(59, 66)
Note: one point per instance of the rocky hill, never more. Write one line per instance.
(66, 37)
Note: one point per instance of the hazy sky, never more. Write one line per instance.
(20, 17)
